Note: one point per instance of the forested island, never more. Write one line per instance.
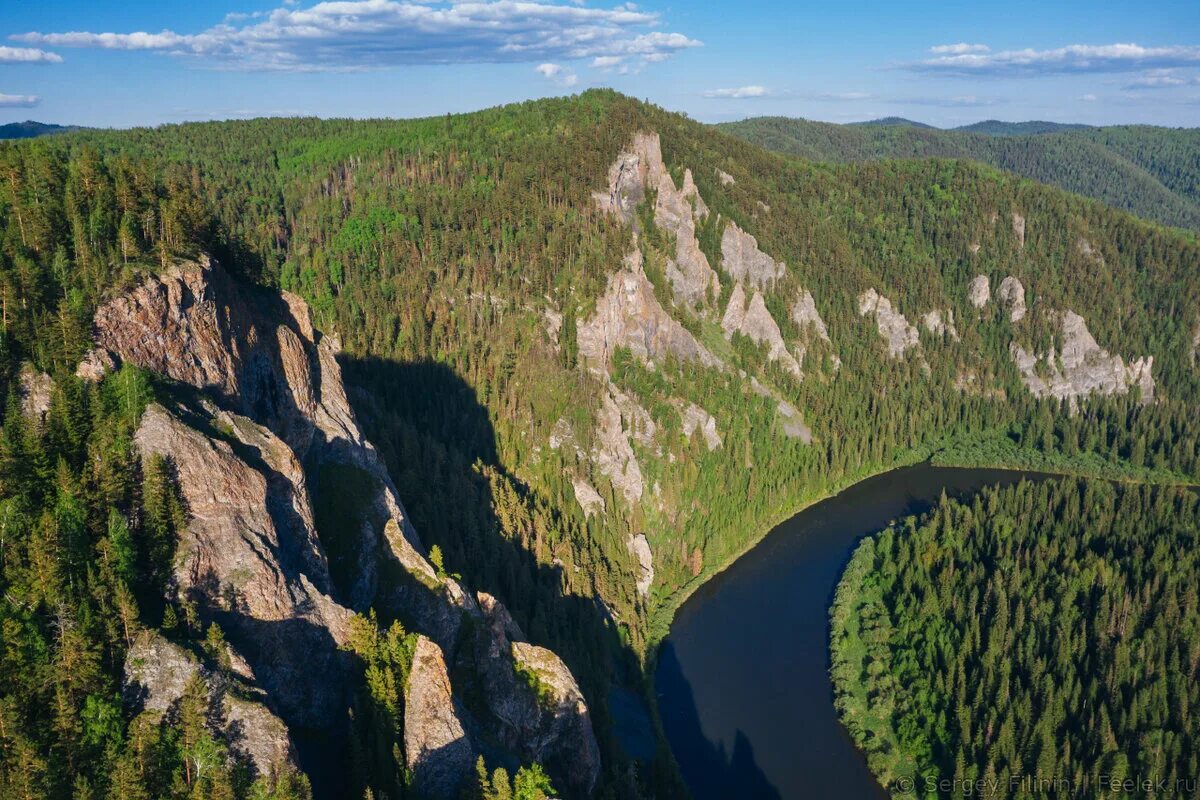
(1042, 638)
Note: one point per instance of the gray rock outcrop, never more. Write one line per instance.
(895, 329)
(640, 168)
(752, 319)
(979, 292)
(247, 443)
(725, 177)
(806, 316)
(639, 546)
(695, 419)
(1018, 221)
(940, 323)
(158, 671)
(629, 315)
(744, 262)
(34, 389)
(1195, 354)
(1011, 295)
(534, 703)
(436, 745)
(619, 423)
(588, 498)
(1080, 367)
(794, 426)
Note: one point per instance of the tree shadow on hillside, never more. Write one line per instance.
(708, 768)
(440, 448)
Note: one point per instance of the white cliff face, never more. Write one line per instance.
(980, 291)
(695, 419)
(639, 169)
(1012, 296)
(1018, 222)
(629, 315)
(899, 334)
(620, 422)
(725, 177)
(744, 262)
(1081, 367)
(940, 323)
(755, 321)
(640, 547)
(806, 316)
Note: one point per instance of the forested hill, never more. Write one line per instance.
(601, 348)
(1152, 172)
(30, 129)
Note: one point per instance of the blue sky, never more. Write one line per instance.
(143, 62)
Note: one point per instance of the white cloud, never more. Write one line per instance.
(371, 34)
(740, 93)
(1161, 79)
(959, 101)
(19, 100)
(1075, 58)
(27, 55)
(959, 49)
(841, 97)
(557, 73)
(1089, 98)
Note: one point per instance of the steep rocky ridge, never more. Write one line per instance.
(259, 417)
(752, 318)
(893, 326)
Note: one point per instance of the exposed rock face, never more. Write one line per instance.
(640, 547)
(588, 498)
(755, 321)
(640, 168)
(1081, 367)
(696, 418)
(980, 291)
(1019, 227)
(629, 315)
(95, 365)
(744, 262)
(726, 178)
(258, 354)
(34, 388)
(1196, 347)
(805, 315)
(620, 422)
(436, 745)
(270, 412)
(1012, 297)
(251, 558)
(899, 334)
(940, 323)
(554, 728)
(156, 674)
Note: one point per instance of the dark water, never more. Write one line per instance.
(743, 680)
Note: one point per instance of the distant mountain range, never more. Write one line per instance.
(1149, 171)
(30, 129)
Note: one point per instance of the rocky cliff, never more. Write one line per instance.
(259, 419)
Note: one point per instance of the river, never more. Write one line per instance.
(743, 679)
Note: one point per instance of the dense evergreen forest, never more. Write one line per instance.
(1040, 639)
(437, 249)
(1152, 172)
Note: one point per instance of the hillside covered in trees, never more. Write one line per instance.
(1041, 639)
(1152, 172)
(574, 329)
